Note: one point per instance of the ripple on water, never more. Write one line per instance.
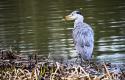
(112, 44)
(115, 58)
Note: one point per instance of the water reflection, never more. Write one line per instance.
(36, 26)
(115, 58)
(113, 44)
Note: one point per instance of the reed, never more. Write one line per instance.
(45, 70)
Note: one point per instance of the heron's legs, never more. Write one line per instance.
(79, 60)
(83, 62)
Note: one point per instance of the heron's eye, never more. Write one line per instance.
(78, 12)
(71, 14)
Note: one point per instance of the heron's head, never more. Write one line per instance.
(75, 15)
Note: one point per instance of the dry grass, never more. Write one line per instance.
(58, 71)
(44, 70)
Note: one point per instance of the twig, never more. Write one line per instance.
(53, 74)
(107, 71)
(87, 74)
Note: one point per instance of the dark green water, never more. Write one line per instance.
(35, 26)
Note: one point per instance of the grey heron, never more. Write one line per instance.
(83, 36)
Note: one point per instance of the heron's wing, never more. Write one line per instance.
(83, 35)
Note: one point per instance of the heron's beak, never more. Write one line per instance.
(67, 18)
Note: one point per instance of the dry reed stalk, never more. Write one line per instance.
(107, 71)
(96, 78)
(87, 74)
(53, 74)
(35, 74)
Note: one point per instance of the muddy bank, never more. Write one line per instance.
(37, 67)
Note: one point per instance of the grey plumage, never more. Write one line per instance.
(83, 36)
(83, 40)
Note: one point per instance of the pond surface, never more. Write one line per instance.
(35, 26)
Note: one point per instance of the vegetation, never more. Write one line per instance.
(18, 69)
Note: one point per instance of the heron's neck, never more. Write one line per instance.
(77, 21)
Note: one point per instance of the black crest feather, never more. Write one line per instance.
(78, 12)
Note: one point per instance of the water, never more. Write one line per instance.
(36, 26)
